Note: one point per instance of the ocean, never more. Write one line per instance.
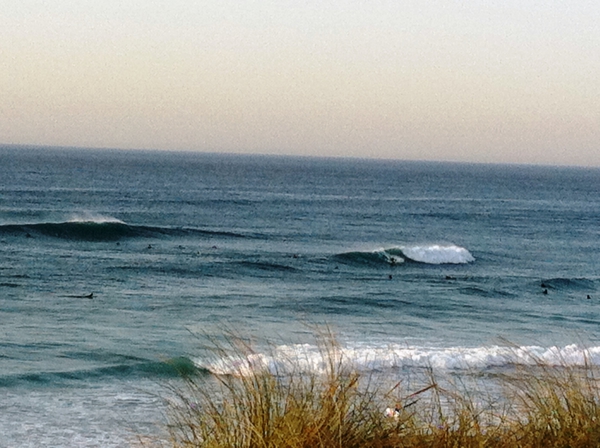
(115, 265)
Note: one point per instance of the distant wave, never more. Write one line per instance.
(106, 229)
(428, 254)
(569, 283)
(306, 358)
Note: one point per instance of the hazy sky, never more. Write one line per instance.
(484, 81)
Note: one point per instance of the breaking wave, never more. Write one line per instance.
(93, 218)
(428, 254)
(304, 358)
(102, 229)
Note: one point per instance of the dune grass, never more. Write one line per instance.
(338, 406)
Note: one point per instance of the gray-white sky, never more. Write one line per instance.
(483, 81)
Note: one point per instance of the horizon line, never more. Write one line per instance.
(229, 153)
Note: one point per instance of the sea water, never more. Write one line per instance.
(114, 265)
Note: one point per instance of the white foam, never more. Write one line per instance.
(438, 254)
(95, 218)
(306, 358)
(82, 416)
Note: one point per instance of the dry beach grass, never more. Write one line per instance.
(537, 405)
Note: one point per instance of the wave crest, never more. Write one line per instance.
(104, 229)
(428, 254)
(438, 254)
(93, 218)
(304, 358)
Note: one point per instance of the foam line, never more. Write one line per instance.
(306, 358)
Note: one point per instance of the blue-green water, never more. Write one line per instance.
(411, 264)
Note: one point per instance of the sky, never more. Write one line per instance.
(472, 81)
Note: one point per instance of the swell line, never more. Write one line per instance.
(104, 231)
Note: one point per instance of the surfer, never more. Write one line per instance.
(545, 291)
(393, 261)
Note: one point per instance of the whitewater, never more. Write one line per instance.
(116, 267)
